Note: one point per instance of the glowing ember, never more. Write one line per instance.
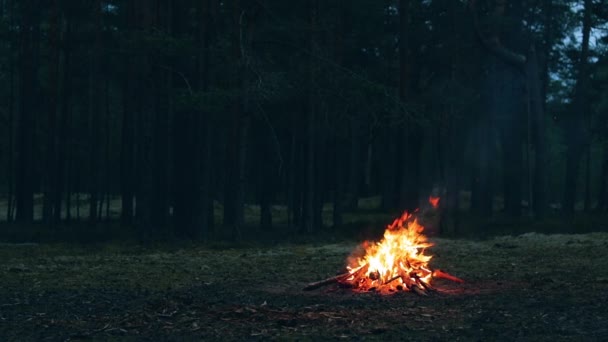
(397, 262)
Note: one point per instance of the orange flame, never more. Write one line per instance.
(397, 262)
(434, 201)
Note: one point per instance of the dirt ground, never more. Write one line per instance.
(529, 287)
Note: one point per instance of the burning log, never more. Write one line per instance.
(441, 274)
(392, 279)
(397, 262)
(427, 286)
(328, 281)
(341, 278)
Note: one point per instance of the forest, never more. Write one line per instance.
(200, 119)
(180, 170)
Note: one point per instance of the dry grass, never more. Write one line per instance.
(529, 287)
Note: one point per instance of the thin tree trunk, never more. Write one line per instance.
(266, 173)
(49, 216)
(338, 148)
(242, 170)
(205, 27)
(94, 112)
(300, 186)
(160, 144)
(602, 194)
(243, 19)
(10, 128)
(354, 169)
(451, 204)
(291, 178)
(390, 184)
(338, 183)
(77, 188)
(575, 134)
(127, 155)
(482, 190)
(62, 148)
(409, 163)
(321, 185)
(102, 199)
(405, 75)
(231, 176)
(587, 204)
(68, 193)
(24, 187)
(146, 110)
(309, 206)
(369, 164)
(126, 151)
(107, 149)
(536, 102)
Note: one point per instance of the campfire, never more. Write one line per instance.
(398, 262)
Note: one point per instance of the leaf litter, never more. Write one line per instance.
(528, 287)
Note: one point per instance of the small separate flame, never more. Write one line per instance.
(434, 201)
(398, 261)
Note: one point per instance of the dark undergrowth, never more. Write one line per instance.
(368, 226)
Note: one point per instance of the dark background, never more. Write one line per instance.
(247, 120)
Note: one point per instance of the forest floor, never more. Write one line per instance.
(529, 287)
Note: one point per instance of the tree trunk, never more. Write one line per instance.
(503, 103)
(95, 115)
(243, 153)
(512, 114)
(482, 190)
(108, 162)
(321, 147)
(126, 152)
(10, 128)
(266, 172)
(238, 139)
(292, 195)
(390, 181)
(354, 165)
(24, 187)
(587, 204)
(62, 138)
(408, 165)
(536, 102)
(538, 82)
(338, 184)
(405, 161)
(602, 194)
(265, 210)
(387, 142)
(50, 216)
(576, 134)
(453, 150)
(205, 32)
(77, 199)
(266, 175)
(309, 206)
(127, 145)
(144, 123)
(342, 32)
(162, 90)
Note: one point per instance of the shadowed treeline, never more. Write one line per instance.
(203, 119)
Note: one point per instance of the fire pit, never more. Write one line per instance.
(398, 262)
